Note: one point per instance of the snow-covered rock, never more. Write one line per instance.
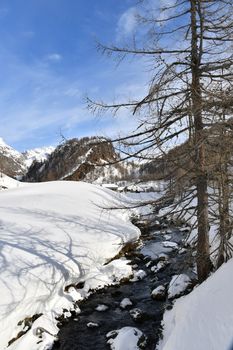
(169, 244)
(160, 265)
(126, 338)
(135, 188)
(101, 308)
(184, 229)
(159, 293)
(136, 313)
(167, 237)
(178, 285)
(92, 325)
(182, 251)
(126, 302)
(138, 276)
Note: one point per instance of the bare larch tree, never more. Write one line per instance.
(188, 45)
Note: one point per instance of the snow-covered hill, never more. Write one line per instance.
(54, 235)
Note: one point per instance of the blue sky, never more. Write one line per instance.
(49, 62)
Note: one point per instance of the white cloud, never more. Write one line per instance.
(127, 22)
(55, 57)
(33, 120)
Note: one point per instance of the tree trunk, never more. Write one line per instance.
(203, 259)
(224, 199)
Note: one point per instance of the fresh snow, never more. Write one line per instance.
(54, 235)
(203, 319)
(178, 285)
(126, 338)
(7, 182)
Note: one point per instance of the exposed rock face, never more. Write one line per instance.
(76, 160)
(11, 161)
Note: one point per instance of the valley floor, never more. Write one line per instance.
(57, 236)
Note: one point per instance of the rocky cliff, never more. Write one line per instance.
(79, 159)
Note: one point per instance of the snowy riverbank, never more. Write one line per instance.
(53, 235)
(203, 319)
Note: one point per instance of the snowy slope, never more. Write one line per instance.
(53, 235)
(202, 320)
(7, 182)
(38, 154)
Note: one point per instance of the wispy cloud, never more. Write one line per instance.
(54, 57)
(36, 103)
(44, 78)
(127, 23)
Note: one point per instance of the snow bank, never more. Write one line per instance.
(54, 235)
(203, 319)
(7, 182)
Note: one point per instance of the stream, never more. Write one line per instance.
(159, 256)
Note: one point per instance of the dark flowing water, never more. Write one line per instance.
(74, 333)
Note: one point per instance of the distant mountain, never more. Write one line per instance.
(80, 159)
(12, 162)
(37, 154)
